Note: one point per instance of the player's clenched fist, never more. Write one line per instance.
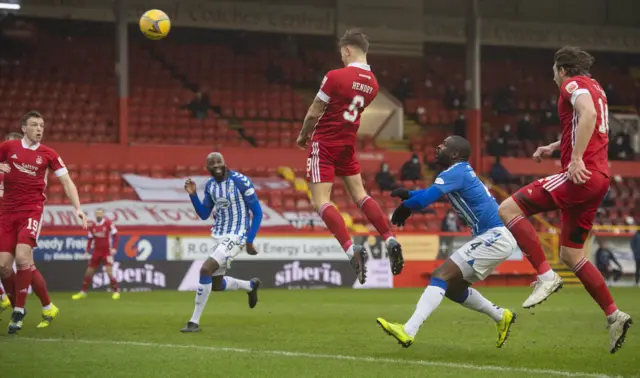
(251, 249)
(190, 186)
(542, 153)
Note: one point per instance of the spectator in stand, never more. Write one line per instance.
(499, 173)
(199, 105)
(526, 130)
(460, 126)
(289, 47)
(504, 101)
(404, 88)
(495, 145)
(635, 247)
(412, 169)
(620, 148)
(385, 179)
(274, 73)
(452, 99)
(604, 259)
(450, 223)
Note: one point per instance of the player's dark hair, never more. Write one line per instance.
(13, 136)
(30, 114)
(461, 146)
(356, 38)
(574, 60)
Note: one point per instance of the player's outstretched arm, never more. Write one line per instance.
(71, 191)
(422, 198)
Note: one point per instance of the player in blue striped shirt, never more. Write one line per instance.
(231, 197)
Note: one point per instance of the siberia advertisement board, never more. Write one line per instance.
(73, 247)
(131, 275)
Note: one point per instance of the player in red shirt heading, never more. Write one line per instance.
(22, 207)
(577, 190)
(329, 135)
(104, 237)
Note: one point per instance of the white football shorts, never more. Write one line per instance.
(224, 249)
(480, 256)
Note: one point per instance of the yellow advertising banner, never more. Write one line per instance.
(419, 247)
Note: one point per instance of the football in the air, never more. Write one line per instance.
(155, 24)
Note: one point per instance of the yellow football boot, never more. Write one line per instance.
(396, 330)
(504, 325)
(48, 316)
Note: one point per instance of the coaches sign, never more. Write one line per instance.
(269, 248)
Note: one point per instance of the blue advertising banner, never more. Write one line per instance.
(73, 247)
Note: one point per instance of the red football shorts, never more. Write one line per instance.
(327, 162)
(101, 257)
(21, 227)
(578, 203)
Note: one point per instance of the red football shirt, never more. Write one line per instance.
(103, 234)
(24, 186)
(596, 154)
(347, 92)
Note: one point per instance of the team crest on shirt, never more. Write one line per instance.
(222, 203)
(571, 87)
(39, 160)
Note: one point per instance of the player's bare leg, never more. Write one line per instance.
(377, 218)
(448, 280)
(548, 281)
(86, 281)
(7, 276)
(619, 322)
(321, 197)
(209, 283)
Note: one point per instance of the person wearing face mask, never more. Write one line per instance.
(411, 170)
(385, 179)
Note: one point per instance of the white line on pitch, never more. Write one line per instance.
(453, 365)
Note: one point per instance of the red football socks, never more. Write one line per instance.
(86, 280)
(374, 214)
(528, 241)
(114, 284)
(39, 286)
(335, 223)
(595, 285)
(23, 280)
(10, 288)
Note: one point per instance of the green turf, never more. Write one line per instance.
(331, 333)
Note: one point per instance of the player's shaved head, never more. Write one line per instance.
(461, 146)
(454, 149)
(216, 165)
(13, 136)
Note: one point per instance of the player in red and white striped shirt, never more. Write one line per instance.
(104, 237)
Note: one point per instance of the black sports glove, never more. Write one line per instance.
(401, 193)
(400, 215)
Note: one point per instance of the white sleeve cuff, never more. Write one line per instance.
(61, 172)
(114, 230)
(323, 96)
(576, 93)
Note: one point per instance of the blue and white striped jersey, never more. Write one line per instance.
(231, 201)
(469, 197)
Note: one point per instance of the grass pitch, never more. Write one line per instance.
(316, 333)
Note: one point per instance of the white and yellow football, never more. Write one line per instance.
(155, 24)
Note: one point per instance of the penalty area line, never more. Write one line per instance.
(282, 353)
